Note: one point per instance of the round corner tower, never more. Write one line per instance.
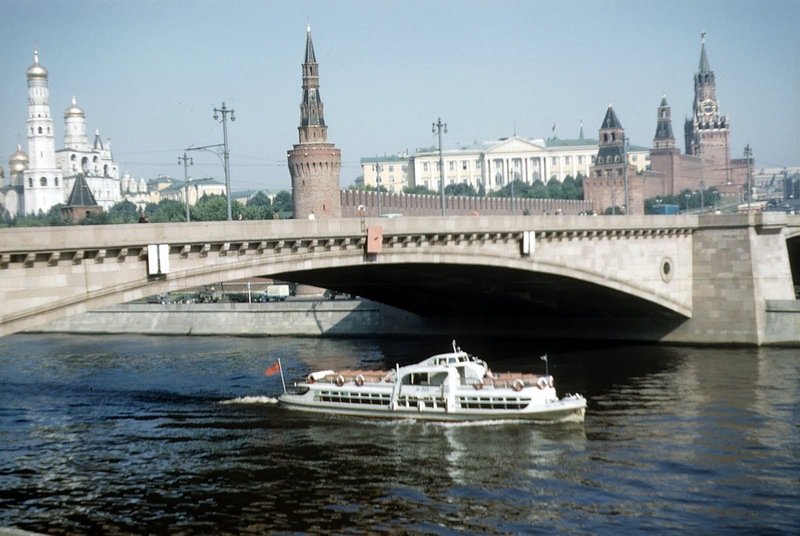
(314, 164)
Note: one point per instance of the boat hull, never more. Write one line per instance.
(572, 409)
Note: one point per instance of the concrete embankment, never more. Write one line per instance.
(290, 318)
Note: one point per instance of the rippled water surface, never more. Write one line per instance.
(181, 435)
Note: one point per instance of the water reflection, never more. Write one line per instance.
(131, 435)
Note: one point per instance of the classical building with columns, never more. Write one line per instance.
(489, 166)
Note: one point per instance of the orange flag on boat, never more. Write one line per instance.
(273, 369)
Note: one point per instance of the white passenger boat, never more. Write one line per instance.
(453, 386)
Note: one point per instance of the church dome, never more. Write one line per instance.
(74, 110)
(36, 70)
(18, 161)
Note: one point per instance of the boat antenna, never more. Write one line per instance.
(546, 368)
(454, 346)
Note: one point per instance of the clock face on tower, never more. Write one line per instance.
(708, 106)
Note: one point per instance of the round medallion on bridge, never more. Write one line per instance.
(666, 269)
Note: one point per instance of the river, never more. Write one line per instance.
(181, 435)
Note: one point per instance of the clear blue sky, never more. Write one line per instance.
(148, 74)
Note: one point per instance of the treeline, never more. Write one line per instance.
(570, 188)
(208, 208)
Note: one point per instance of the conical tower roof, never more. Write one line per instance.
(310, 57)
(610, 120)
(81, 195)
(704, 67)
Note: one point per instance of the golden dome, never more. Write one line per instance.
(36, 70)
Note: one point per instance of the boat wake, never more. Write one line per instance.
(251, 400)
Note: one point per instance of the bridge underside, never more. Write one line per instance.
(500, 300)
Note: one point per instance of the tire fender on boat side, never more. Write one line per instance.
(550, 381)
(518, 385)
(541, 382)
(360, 380)
(310, 378)
(339, 380)
(478, 385)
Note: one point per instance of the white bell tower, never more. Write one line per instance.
(43, 180)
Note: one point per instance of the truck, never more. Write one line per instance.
(277, 292)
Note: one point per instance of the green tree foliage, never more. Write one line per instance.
(461, 188)
(258, 207)
(418, 190)
(282, 205)
(123, 212)
(167, 210)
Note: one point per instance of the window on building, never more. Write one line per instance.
(40, 130)
(425, 168)
(464, 165)
(477, 164)
(594, 160)
(391, 168)
(566, 160)
(554, 161)
(580, 159)
(452, 166)
(43, 181)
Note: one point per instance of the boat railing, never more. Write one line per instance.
(359, 377)
(506, 379)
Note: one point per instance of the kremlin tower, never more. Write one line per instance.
(314, 163)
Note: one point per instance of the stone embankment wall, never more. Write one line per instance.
(346, 318)
(430, 205)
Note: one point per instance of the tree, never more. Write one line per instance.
(123, 212)
(282, 205)
(554, 189)
(258, 207)
(167, 210)
(419, 190)
(460, 188)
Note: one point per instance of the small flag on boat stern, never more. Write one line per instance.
(544, 358)
(273, 369)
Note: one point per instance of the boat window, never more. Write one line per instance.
(438, 378)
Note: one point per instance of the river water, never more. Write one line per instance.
(181, 435)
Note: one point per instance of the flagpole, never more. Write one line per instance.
(546, 367)
(280, 367)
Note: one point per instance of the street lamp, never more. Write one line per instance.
(186, 161)
(440, 126)
(225, 111)
(378, 182)
(687, 202)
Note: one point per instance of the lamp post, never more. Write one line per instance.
(225, 111)
(378, 182)
(625, 171)
(687, 202)
(186, 161)
(439, 126)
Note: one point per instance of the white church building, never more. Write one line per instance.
(44, 177)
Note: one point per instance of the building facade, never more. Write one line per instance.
(44, 177)
(314, 163)
(490, 166)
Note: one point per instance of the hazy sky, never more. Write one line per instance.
(149, 73)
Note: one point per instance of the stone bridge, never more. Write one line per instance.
(700, 279)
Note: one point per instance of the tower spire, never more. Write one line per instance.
(704, 67)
